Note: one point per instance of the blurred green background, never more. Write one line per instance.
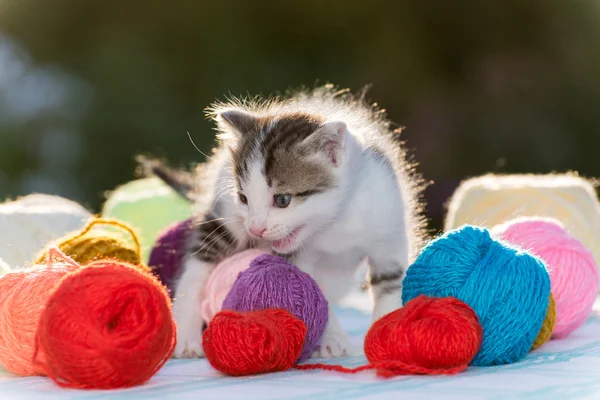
(504, 86)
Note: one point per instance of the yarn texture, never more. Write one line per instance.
(23, 296)
(272, 282)
(254, 342)
(167, 254)
(148, 205)
(31, 222)
(87, 246)
(104, 326)
(548, 326)
(428, 336)
(490, 200)
(508, 289)
(221, 281)
(572, 268)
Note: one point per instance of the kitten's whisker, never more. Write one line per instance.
(196, 225)
(229, 242)
(196, 147)
(215, 240)
(220, 191)
(200, 246)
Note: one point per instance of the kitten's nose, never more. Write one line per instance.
(257, 230)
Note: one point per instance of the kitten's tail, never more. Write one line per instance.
(182, 182)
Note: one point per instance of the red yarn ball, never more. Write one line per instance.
(426, 336)
(253, 342)
(107, 325)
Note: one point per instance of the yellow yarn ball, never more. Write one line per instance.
(490, 200)
(87, 246)
(548, 325)
(95, 247)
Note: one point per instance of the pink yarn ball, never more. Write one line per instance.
(572, 269)
(222, 279)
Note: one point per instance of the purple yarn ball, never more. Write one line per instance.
(167, 253)
(272, 282)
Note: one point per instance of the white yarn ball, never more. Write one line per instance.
(4, 268)
(29, 223)
(490, 200)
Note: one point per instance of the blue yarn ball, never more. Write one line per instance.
(507, 288)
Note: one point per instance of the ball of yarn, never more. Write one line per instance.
(167, 253)
(494, 199)
(272, 282)
(86, 246)
(508, 289)
(149, 205)
(426, 336)
(4, 268)
(31, 222)
(573, 271)
(255, 342)
(129, 338)
(104, 326)
(548, 325)
(221, 281)
(23, 296)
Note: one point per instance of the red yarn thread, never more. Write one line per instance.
(253, 342)
(428, 336)
(107, 325)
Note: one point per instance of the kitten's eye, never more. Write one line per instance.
(282, 200)
(243, 198)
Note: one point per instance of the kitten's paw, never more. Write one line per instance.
(189, 348)
(335, 344)
(189, 333)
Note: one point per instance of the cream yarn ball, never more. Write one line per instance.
(490, 200)
(30, 222)
(4, 268)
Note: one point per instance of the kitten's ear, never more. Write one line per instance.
(329, 139)
(236, 121)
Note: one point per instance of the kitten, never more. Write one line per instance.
(319, 178)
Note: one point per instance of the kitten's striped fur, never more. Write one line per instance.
(354, 195)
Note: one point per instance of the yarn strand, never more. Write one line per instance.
(55, 254)
(112, 222)
(386, 369)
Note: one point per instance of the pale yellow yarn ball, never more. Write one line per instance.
(490, 200)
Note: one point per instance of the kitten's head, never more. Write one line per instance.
(287, 169)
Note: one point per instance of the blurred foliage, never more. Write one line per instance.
(480, 86)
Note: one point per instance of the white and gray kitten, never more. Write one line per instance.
(319, 178)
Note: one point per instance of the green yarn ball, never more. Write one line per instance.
(148, 205)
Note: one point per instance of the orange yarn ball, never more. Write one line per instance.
(22, 295)
(107, 325)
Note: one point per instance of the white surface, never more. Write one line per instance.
(561, 369)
